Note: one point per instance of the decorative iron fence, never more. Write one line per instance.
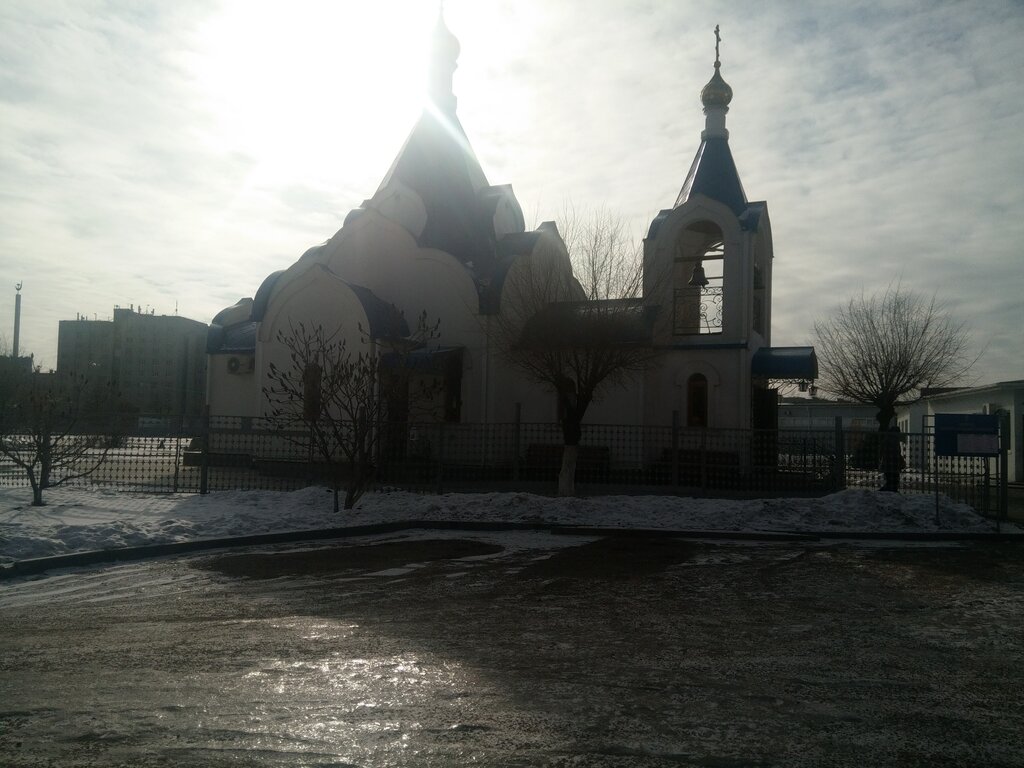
(243, 453)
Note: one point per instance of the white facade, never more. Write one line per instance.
(812, 413)
(1006, 397)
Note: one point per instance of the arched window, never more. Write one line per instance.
(697, 401)
(698, 283)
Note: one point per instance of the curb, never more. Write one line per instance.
(39, 565)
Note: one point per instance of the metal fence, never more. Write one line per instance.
(145, 457)
(242, 453)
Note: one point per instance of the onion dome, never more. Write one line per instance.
(717, 93)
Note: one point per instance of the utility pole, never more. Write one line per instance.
(17, 319)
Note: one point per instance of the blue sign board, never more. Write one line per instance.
(966, 434)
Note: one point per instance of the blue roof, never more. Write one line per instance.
(262, 298)
(386, 321)
(785, 363)
(236, 338)
(713, 174)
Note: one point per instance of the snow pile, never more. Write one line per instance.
(85, 519)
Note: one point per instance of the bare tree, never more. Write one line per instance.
(884, 349)
(577, 323)
(42, 430)
(341, 399)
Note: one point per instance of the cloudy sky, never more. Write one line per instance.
(171, 155)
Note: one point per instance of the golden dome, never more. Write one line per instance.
(717, 92)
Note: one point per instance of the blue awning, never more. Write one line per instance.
(785, 363)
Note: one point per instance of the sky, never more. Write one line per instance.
(170, 156)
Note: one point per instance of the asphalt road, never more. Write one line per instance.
(521, 650)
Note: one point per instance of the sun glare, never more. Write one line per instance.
(305, 87)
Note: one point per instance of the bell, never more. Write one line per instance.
(697, 278)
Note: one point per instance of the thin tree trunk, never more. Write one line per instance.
(37, 491)
(567, 475)
(45, 462)
(572, 433)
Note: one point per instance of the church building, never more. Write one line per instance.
(438, 239)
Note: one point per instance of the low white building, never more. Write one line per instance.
(818, 413)
(1006, 397)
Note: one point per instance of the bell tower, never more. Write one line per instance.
(707, 271)
(707, 260)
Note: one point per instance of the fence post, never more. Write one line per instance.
(440, 459)
(204, 461)
(675, 448)
(839, 465)
(517, 442)
(1004, 465)
(704, 458)
(177, 451)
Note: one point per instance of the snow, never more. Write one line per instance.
(82, 519)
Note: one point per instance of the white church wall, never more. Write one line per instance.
(547, 264)
(379, 255)
(375, 252)
(232, 385)
(728, 393)
(401, 205)
(314, 298)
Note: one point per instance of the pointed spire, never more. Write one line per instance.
(715, 97)
(713, 173)
(443, 57)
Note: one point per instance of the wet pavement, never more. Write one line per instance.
(521, 649)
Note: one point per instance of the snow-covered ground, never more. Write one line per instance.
(78, 519)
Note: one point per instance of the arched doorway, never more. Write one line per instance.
(697, 400)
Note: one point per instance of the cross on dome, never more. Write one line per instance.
(717, 93)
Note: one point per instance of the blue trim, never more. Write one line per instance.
(785, 363)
